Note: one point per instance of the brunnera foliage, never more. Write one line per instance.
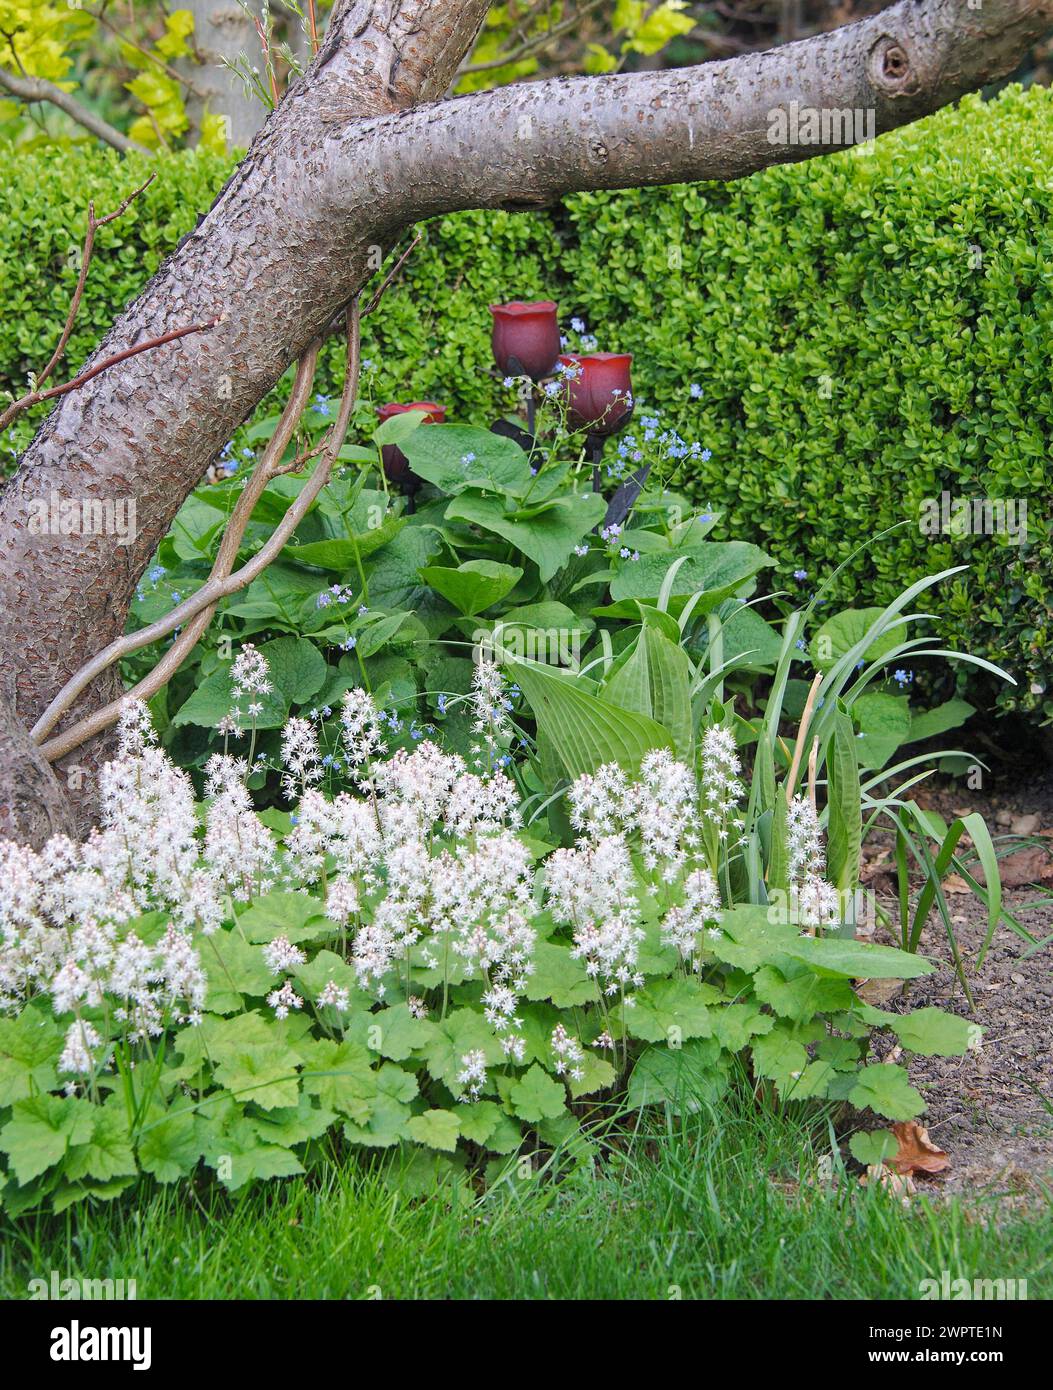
(863, 342)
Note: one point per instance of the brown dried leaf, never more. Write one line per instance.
(900, 1186)
(879, 992)
(954, 883)
(916, 1153)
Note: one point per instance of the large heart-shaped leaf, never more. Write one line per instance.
(456, 457)
(548, 539)
(716, 569)
(473, 586)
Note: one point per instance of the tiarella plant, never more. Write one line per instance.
(405, 966)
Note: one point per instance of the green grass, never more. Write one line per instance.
(712, 1207)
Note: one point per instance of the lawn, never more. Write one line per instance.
(716, 1206)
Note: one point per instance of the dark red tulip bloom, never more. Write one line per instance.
(598, 390)
(526, 338)
(396, 464)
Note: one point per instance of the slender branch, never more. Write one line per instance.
(40, 89)
(226, 555)
(196, 612)
(94, 223)
(203, 602)
(35, 397)
(531, 45)
(392, 273)
(155, 58)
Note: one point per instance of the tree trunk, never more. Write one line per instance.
(223, 30)
(341, 167)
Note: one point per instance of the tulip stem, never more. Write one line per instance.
(596, 443)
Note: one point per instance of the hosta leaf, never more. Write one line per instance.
(845, 805)
(860, 960)
(748, 940)
(584, 731)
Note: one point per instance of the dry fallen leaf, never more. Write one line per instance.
(901, 1187)
(878, 992)
(916, 1153)
(953, 883)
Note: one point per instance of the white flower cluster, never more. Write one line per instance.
(249, 676)
(816, 901)
(592, 886)
(721, 788)
(65, 910)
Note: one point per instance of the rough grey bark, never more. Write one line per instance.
(342, 166)
(223, 30)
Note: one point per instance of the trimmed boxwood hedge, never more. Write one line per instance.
(869, 330)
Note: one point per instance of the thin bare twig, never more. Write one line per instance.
(799, 742)
(94, 223)
(225, 557)
(35, 397)
(530, 46)
(167, 68)
(204, 601)
(392, 273)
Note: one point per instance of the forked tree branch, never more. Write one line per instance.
(40, 89)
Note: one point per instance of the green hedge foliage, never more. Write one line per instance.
(869, 330)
